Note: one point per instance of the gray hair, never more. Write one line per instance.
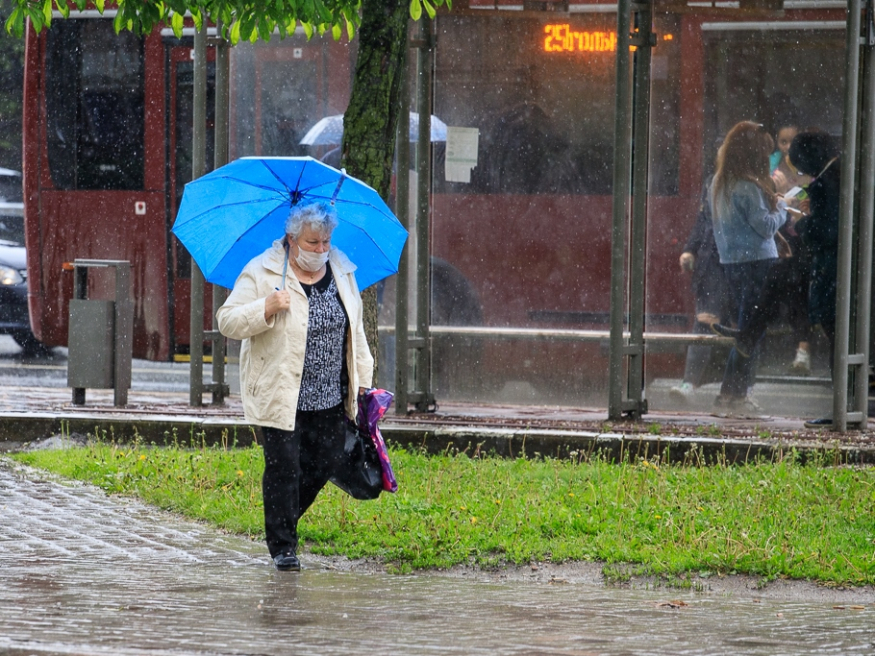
(319, 217)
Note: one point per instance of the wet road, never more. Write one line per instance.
(84, 574)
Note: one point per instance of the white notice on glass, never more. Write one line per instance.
(462, 144)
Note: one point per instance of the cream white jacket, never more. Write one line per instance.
(272, 353)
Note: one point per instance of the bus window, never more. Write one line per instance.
(96, 140)
(770, 76)
(541, 92)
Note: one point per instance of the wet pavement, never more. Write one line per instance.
(83, 574)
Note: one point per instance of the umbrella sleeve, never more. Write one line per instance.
(373, 405)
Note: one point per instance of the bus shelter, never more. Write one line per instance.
(551, 163)
(549, 219)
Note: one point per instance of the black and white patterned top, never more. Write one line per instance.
(324, 366)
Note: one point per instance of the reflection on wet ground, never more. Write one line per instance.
(83, 574)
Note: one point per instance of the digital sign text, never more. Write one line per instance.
(561, 38)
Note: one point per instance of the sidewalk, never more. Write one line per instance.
(28, 414)
(83, 573)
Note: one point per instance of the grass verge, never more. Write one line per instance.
(769, 519)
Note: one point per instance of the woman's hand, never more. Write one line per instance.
(688, 261)
(780, 179)
(805, 206)
(279, 301)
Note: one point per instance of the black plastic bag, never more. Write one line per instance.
(359, 472)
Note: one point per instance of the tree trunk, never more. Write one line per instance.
(371, 119)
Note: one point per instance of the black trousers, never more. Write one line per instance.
(297, 464)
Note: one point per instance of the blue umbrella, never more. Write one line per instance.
(232, 214)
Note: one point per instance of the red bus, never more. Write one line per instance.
(107, 151)
(523, 243)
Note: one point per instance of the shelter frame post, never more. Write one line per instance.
(422, 397)
(863, 305)
(221, 156)
(198, 168)
(843, 360)
(644, 40)
(630, 175)
(402, 207)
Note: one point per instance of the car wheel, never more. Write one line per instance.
(29, 343)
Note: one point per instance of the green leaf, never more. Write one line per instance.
(235, 33)
(264, 30)
(63, 7)
(36, 18)
(350, 29)
(99, 4)
(47, 12)
(198, 18)
(308, 30)
(176, 23)
(415, 10)
(336, 32)
(15, 22)
(119, 21)
(429, 9)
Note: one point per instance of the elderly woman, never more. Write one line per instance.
(303, 360)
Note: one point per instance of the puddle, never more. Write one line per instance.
(83, 574)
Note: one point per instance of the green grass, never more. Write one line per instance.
(770, 520)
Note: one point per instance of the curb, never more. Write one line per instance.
(17, 430)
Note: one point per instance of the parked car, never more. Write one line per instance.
(14, 317)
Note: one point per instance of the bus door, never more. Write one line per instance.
(93, 124)
(180, 122)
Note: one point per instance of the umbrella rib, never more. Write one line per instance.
(278, 178)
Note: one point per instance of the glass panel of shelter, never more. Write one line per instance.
(784, 72)
(521, 243)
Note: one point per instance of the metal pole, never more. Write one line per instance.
(124, 329)
(863, 305)
(220, 158)
(80, 292)
(423, 166)
(846, 221)
(402, 205)
(622, 184)
(643, 39)
(198, 167)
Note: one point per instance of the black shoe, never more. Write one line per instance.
(733, 334)
(824, 422)
(287, 562)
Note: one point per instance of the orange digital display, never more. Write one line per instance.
(561, 38)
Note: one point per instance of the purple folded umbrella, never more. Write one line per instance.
(373, 404)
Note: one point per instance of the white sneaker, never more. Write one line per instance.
(681, 392)
(802, 364)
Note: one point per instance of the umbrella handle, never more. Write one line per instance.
(285, 263)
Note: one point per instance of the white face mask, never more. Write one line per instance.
(310, 261)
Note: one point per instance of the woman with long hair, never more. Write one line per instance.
(747, 213)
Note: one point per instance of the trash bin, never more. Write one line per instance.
(100, 334)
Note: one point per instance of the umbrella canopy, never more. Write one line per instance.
(232, 214)
(329, 130)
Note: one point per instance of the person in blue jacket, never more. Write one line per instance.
(746, 213)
